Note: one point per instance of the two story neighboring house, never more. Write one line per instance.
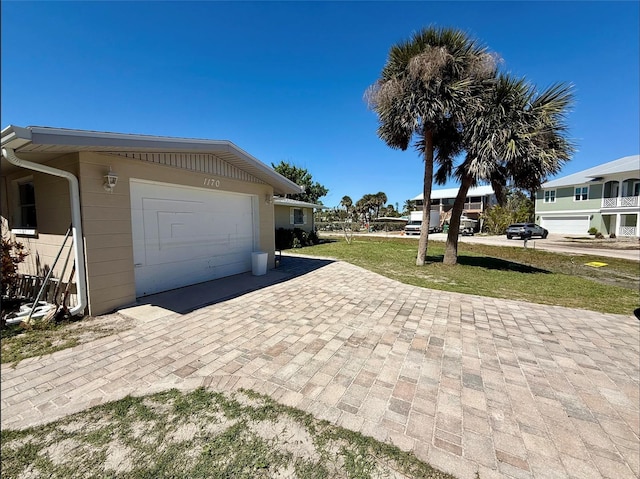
(477, 201)
(605, 197)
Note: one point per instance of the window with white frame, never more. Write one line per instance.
(550, 196)
(25, 210)
(298, 216)
(581, 193)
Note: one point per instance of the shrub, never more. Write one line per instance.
(13, 253)
(612, 236)
(295, 238)
(599, 235)
(593, 230)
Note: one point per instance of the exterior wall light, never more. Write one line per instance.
(110, 181)
(268, 199)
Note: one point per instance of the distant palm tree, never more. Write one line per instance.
(346, 202)
(517, 136)
(380, 199)
(426, 87)
(408, 206)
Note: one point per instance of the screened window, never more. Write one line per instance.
(550, 196)
(297, 216)
(27, 205)
(581, 193)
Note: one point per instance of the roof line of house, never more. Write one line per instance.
(16, 138)
(621, 165)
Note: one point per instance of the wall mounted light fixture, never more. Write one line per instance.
(110, 181)
(268, 199)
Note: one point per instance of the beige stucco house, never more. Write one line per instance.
(290, 214)
(147, 213)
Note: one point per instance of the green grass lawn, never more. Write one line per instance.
(502, 272)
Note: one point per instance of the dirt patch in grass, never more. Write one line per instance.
(605, 243)
(18, 343)
(201, 434)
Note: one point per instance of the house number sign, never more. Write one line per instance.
(212, 182)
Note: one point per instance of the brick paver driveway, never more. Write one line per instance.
(471, 384)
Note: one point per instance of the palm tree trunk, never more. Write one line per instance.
(426, 195)
(498, 190)
(451, 248)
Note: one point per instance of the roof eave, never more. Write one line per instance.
(17, 137)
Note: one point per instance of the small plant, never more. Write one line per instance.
(593, 230)
(13, 253)
(612, 236)
(599, 235)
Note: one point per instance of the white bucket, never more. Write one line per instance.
(259, 263)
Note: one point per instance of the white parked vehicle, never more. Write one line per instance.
(415, 223)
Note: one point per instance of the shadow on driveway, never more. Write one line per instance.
(189, 298)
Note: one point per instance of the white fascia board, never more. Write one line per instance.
(301, 204)
(84, 138)
(15, 136)
(627, 164)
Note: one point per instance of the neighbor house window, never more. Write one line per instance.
(550, 196)
(297, 216)
(25, 215)
(581, 193)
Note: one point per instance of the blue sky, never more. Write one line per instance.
(285, 80)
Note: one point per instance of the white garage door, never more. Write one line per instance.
(184, 235)
(572, 225)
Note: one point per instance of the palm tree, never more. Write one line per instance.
(380, 199)
(346, 202)
(425, 89)
(516, 136)
(408, 206)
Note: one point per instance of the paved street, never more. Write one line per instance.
(470, 384)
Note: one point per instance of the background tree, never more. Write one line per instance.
(518, 208)
(365, 207)
(408, 206)
(517, 136)
(425, 89)
(379, 199)
(347, 203)
(389, 211)
(313, 191)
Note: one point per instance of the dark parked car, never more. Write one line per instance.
(526, 230)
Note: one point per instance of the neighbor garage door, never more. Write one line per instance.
(572, 225)
(184, 235)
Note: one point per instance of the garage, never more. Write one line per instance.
(572, 225)
(185, 235)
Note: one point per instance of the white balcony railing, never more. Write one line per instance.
(625, 201)
(473, 206)
(627, 231)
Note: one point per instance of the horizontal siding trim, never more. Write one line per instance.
(200, 162)
(107, 281)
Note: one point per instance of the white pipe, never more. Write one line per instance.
(76, 223)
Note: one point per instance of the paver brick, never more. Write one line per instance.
(471, 384)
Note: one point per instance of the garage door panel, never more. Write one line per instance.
(566, 224)
(187, 235)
